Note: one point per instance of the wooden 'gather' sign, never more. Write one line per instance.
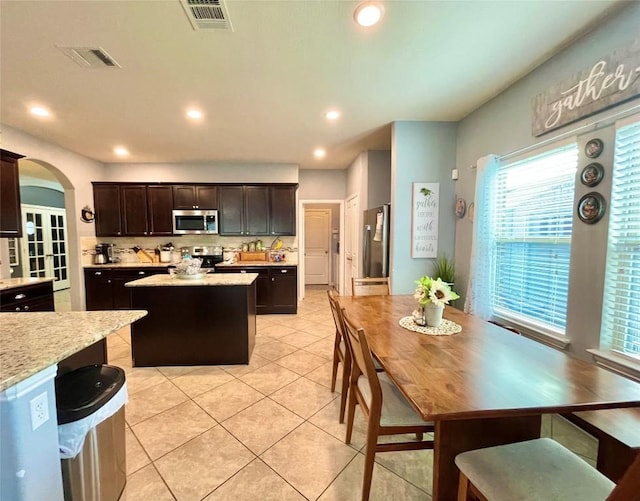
(610, 81)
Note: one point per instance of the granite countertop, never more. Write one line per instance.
(12, 283)
(129, 265)
(212, 279)
(31, 342)
(243, 264)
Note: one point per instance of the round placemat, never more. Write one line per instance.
(447, 327)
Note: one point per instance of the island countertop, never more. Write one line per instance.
(31, 342)
(210, 279)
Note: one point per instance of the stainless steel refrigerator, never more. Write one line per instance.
(375, 242)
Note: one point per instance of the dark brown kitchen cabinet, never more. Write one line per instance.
(10, 215)
(104, 287)
(284, 290)
(28, 298)
(231, 210)
(276, 287)
(123, 209)
(282, 214)
(133, 210)
(159, 207)
(254, 210)
(187, 197)
(106, 201)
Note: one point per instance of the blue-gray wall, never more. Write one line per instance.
(503, 126)
(38, 195)
(422, 152)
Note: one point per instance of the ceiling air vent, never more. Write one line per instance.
(207, 14)
(90, 57)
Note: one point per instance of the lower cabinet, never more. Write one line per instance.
(36, 297)
(104, 287)
(276, 287)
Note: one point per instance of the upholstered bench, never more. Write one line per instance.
(618, 434)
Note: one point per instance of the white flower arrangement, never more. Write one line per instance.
(433, 291)
(189, 266)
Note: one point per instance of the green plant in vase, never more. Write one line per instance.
(445, 269)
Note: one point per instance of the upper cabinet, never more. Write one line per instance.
(282, 203)
(143, 209)
(257, 210)
(187, 197)
(132, 209)
(10, 218)
(106, 200)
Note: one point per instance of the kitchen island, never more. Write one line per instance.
(205, 321)
(31, 346)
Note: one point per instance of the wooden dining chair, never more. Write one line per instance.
(370, 286)
(386, 410)
(539, 470)
(341, 354)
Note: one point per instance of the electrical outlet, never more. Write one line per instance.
(39, 410)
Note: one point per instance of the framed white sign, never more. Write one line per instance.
(424, 220)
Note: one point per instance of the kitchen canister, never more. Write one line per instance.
(165, 256)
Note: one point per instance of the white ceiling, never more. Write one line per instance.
(265, 86)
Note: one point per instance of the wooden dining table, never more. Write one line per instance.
(483, 386)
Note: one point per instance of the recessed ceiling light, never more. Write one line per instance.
(332, 115)
(194, 114)
(368, 13)
(40, 111)
(121, 151)
(319, 153)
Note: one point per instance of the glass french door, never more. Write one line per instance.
(44, 244)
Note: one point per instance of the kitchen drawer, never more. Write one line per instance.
(38, 297)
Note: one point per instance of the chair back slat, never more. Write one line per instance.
(335, 311)
(361, 354)
(370, 286)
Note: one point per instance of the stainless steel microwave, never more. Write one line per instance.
(195, 222)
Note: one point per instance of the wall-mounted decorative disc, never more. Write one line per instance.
(591, 208)
(594, 148)
(592, 174)
(461, 207)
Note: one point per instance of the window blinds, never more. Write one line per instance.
(620, 330)
(532, 214)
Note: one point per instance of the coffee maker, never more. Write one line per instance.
(104, 254)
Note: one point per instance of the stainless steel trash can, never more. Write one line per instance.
(98, 471)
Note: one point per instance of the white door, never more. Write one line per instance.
(44, 244)
(351, 229)
(317, 238)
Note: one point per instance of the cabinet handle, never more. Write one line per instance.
(18, 308)
(20, 296)
(119, 233)
(26, 307)
(284, 271)
(98, 273)
(273, 279)
(243, 271)
(141, 273)
(108, 281)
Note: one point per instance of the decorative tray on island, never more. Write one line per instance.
(192, 276)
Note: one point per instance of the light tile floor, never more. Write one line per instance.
(264, 431)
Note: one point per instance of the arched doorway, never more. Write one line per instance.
(44, 249)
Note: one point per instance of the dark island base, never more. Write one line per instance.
(196, 325)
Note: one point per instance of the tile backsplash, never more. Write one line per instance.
(124, 245)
